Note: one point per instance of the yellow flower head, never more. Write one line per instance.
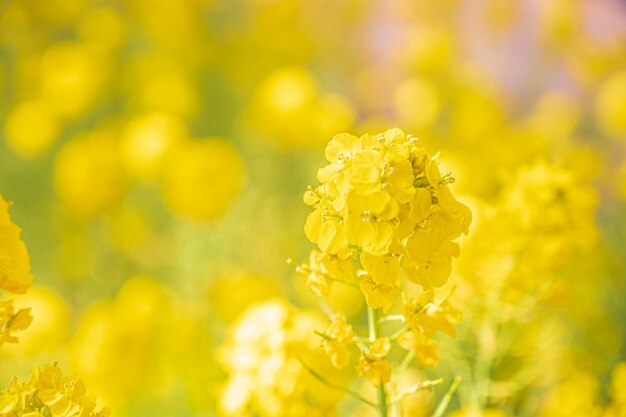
(385, 196)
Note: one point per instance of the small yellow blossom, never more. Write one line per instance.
(424, 347)
(373, 364)
(12, 321)
(327, 230)
(378, 295)
(336, 340)
(370, 221)
(426, 315)
(323, 269)
(384, 270)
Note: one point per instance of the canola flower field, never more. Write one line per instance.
(268, 208)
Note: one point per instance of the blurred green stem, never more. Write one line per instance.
(372, 321)
(443, 405)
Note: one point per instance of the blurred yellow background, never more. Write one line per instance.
(156, 153)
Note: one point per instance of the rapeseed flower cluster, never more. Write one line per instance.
(384, 218)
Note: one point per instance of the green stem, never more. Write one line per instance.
(335, 386)
(405, 363)
(443, 405)
(374, 332)
(371, 324)
(399, 333)
(426, 385)
(391, 317)
(382, 401)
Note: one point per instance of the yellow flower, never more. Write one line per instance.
(373, 364)
(366, 172)
(427, 315)
(146, 140)
(378, 295)
(15, 273)
(618, 385)
(327, 230)
(342, 147)
(424, 347)
(420, 206)
(323, 269)
(370, 221)
(31, 128)
(49, 393)
(384, 270)
(428, 263)
(49, 331)
(89, 175)
(289, 108)
(264, 355)
(336, 340)
(12, 321)
(202, 178)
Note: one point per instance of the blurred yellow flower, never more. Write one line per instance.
(233, 292)
(145, 341)
(12, 321)
(15, 273)
(487, 412)
(15, 277)
(610, 112)
(50, 328)
(72, 77)
(202, 178)
(146, 141)
(417, 103)
(159, 82)
(88, 174)
(49, 393)
(264, 356)
(31, 128)
(290, 109)
(103, 26)
(573, 397)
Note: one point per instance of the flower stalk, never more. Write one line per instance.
(374, 333)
